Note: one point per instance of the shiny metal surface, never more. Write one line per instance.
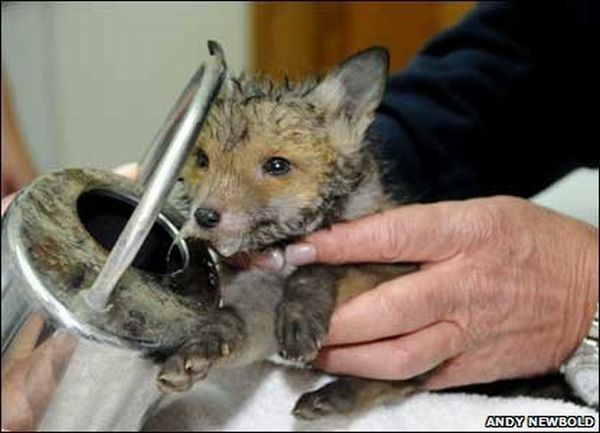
(66, 366)
(161, 140)
(160, 183)
(60, 373)
(62, 368)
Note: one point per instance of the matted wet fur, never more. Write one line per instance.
(276, 162)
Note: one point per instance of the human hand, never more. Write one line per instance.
(31, 373)
(130, 171)
(17, 166)
(506, 289)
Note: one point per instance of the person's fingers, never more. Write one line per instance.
(413, 233)
(17, 414)
(26, 339)
(29, 383)
(504, 357)
(395, 307)
(60, 347)
(271, 261)
(396, 358)
(7, 200)
(464, 371)
(130, 170)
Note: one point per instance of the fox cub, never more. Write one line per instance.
(273, 164)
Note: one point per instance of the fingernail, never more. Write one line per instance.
(128, 170)
(272, 261)
(300, 254)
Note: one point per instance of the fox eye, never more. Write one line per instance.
(277, 166)
(201, 159)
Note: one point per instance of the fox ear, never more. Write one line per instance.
(354, 88)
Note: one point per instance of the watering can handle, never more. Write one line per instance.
(159, 172)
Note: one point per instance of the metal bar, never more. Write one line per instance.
(160, 183)
(164, 135)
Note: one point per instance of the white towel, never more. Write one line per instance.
(261, 397)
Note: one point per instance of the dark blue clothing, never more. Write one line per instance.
(506, 102)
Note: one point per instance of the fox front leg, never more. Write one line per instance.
(221, 334)
(302, 316)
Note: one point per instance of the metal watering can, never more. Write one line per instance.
(97, 284)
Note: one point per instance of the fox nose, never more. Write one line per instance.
(207, 217)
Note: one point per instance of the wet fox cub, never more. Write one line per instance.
(272, 164)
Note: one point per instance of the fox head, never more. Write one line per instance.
(275, 162)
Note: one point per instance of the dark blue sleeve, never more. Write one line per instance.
(491, 106)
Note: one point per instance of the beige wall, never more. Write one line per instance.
(93, 81)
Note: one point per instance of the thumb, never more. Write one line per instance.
(413, 233)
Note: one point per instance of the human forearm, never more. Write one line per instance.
(482, 111)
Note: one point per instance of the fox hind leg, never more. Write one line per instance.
(351, 394)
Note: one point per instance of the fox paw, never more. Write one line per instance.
(182, 369)
(299, 332)
(192, 362)
(320, 403)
